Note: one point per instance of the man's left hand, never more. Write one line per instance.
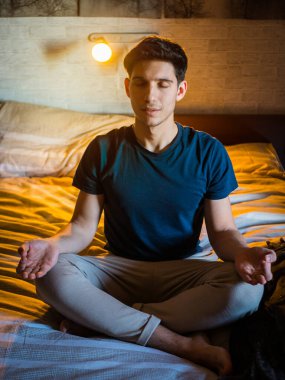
(254, 264)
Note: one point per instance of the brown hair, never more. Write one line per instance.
(161, 49)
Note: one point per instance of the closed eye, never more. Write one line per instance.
(164, 84)
(139, 82)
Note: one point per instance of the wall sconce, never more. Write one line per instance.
(102, 51)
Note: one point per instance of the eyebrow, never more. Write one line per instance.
(157, 80)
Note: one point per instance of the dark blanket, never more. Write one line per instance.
(257, 343)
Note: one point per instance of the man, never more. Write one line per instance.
(156, 181)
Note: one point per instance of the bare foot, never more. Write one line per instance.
(214, 357)
(67, 326)
(195, 348)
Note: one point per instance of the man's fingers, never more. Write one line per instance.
(247, 278)
(267, 271)
(43, 270)
(37, 258)
(24, 249)
(21, 266)
(27, 268)
(270, 256)
(34, 272)
(260, 279)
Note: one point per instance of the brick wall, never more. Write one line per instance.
(235, 66)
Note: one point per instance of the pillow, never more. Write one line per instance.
(38, 141)
(255, 158)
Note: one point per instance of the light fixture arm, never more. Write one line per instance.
(93, 37)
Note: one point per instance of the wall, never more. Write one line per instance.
(235, 66)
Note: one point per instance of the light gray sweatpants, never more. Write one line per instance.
(128, 299)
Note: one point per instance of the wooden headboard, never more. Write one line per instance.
(237, 129)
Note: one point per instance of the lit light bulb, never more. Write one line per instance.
(101, 52)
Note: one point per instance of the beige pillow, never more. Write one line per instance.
(45, 141)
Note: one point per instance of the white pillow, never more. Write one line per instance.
(38, 141)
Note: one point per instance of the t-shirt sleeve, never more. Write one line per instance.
(87, 175)
(222, 180)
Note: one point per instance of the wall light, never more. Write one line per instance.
(102, 52)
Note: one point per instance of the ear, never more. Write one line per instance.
(127, 86)
(182, 88)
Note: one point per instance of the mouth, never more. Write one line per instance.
(151, 111)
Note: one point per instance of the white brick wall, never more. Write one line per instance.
(235, 66)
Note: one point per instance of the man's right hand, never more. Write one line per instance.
(37, 258)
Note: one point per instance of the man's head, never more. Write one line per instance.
(158, 49)
(156, 69)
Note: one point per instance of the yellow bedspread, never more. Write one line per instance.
(31, 208)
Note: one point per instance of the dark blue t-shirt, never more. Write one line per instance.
(154, 201)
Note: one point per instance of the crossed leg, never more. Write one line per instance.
(99, 295)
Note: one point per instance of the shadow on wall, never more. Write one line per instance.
(54, 51)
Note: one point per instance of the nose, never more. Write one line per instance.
(150, 93)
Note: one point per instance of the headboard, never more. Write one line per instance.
(237, 129)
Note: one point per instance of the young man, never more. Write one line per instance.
(156, 181)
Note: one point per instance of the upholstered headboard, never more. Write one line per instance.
(237, 129)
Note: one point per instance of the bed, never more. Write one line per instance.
(40, 148)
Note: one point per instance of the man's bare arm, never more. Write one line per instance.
(252, 264)
(79, 232)
(38, 256)
(222, 232)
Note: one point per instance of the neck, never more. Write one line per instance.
(155, 138)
